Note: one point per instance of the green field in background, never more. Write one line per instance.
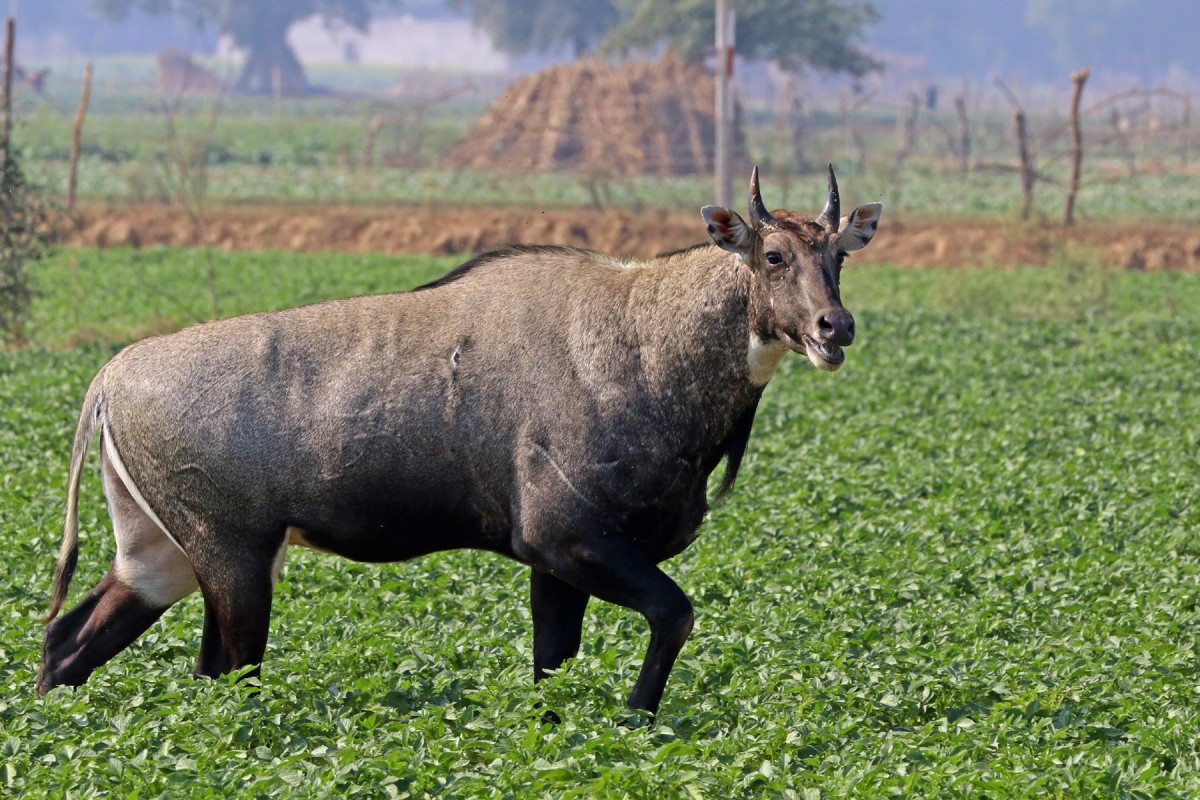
(137, 143)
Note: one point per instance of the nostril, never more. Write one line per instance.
(836, 327)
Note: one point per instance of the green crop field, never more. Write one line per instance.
(966, 565)
(141, 145)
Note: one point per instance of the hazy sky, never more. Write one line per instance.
(1034, 40)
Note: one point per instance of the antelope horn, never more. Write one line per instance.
(758, 212)
(831, 214)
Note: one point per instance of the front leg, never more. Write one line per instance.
(564, 530)
(612, 567)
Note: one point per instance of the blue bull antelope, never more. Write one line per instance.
(558, 406)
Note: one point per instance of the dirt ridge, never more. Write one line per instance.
(448, 231)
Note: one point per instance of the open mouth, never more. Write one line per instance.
(823, 356)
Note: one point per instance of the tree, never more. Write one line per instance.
(542, 26)
(257, 26)
(818, 33)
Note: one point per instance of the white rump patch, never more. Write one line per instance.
(149, 560)
(762, 359)
(115, 458)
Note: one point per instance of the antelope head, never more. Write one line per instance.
(796, 262)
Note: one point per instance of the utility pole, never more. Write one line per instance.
(723, 158)
(10, 36)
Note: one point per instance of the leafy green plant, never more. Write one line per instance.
(963, 566)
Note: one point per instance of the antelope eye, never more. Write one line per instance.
(774, 259)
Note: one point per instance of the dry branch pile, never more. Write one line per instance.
(593, 117)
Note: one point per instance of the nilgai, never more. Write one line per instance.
(555, 405)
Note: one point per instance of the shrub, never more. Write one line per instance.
(24, 238)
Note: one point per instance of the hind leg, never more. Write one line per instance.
(148, 575)
(237, 612)
(557, 621)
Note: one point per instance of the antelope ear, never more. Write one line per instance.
(729, 231)
(858, 227)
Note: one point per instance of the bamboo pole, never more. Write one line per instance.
(1079, 79)
(77, 136)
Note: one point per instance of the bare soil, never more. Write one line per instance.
(447, 231)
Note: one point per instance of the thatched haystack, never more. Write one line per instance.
(594, 117)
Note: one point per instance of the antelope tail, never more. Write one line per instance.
(68, 554)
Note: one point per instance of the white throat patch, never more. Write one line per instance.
(762, 359)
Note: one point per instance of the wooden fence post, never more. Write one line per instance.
(1027, 173)
(1079, 78)
(964, 134)
(1186, 124)
(796, 130)
(77, 136)
(368, 148)
(906, 130)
